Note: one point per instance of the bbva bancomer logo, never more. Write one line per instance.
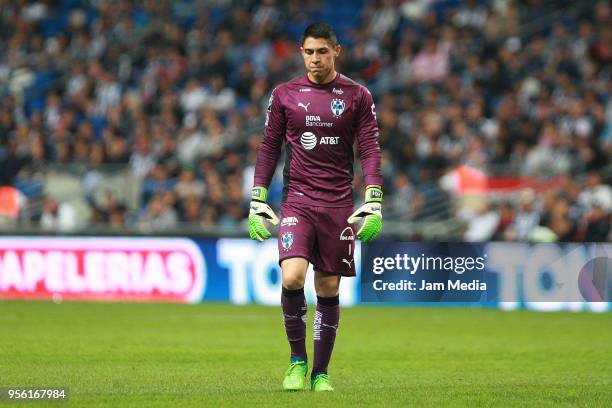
(309, 140)
(126, 269)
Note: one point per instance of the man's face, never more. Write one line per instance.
(319, 58)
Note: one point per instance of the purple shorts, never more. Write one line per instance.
(319, 234)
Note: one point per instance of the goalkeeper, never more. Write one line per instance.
(318, 117)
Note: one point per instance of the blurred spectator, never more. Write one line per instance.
(142, 159)
(483, 224)
(10, 163)
(596, 193)
(506, 217)
(188, 186)
(432, 62)
(12, 203)
(58, 215)
(159, 215)
(556, 218)
(526, 219)
(117, 217)
(220, 97)
(597, 224)
(191, 210)
(399, 206)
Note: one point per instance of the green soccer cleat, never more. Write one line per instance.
(321, 382)
(295, 377)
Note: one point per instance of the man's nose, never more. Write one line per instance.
(316, 57)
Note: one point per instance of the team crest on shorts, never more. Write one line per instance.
(337, 107)
(287, 240)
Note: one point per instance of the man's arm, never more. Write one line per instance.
(367, 140)
(369, 154)
(269, 152)
(270, 148)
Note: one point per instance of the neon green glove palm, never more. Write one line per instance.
(259, 212)
(371, 213)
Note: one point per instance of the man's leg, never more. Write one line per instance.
(326, 320)
(293, 304)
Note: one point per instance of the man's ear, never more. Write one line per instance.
(338, 49)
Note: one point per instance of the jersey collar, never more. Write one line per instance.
(333, 81)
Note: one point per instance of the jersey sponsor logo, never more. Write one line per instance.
(308, 140)
(329, 140)
(289, 221)
(287, 240)
(304, 106)
(337, 91)
(347, 234)
(315, 121)
(337, 107)
(304, 89)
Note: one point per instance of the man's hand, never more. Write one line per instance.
(258, 212)
(371, 214)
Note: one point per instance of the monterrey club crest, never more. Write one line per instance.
(287, 240)
(337, 107)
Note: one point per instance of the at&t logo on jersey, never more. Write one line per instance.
(329, 140)
(337, 107)
(308, 140)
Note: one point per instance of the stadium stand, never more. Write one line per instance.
(495, 116)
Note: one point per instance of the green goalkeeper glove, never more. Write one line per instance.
(259, 211)
(371, 213)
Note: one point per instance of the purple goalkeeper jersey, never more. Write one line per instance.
(319, 125)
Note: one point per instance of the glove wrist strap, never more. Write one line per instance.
(373, 194)
(259, 193)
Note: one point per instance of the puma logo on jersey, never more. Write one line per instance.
(304, 106)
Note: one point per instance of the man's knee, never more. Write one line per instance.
(293, 282)
(327, 285)
(294, 272)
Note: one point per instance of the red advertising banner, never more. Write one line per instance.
(102, 269)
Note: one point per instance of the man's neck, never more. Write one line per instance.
(329, 78)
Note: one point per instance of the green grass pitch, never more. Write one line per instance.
(158, 355)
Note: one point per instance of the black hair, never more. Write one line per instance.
(320, 30)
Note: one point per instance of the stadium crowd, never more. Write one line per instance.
(176, 92)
